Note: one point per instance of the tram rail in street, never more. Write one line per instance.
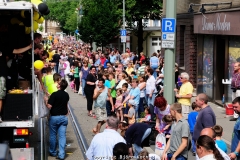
(78, 132)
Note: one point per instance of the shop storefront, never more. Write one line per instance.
(218, 48)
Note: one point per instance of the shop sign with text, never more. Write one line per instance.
(223, 23)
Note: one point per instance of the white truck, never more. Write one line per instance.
(19, 110)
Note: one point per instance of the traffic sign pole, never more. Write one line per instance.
(169, 58)
(124, 44)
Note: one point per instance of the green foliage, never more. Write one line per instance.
(100, 21)
(64, 13)
(136, 10)
(40, 28)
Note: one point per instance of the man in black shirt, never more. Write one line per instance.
(56, 58)
(58, 121)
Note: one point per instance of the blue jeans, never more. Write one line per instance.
(56, 68)
(136, 111)
(193, 144)
(140, 106)
(179, 157)
(151, 100)
(154, 67)
(57, 126)
(138, 149)
(83, 85)
(109, 108)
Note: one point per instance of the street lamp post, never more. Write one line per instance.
(124, 44)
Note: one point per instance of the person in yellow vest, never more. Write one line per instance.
(184, 95)
(48, 79)
(55, 86)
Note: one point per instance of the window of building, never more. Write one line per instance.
(156, 41)
(146, 22)
(156, 23)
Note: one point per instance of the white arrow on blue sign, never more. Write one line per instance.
(123, 32)
(168, 25)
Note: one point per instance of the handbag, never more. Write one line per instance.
(80, 90)
(43, 109)
(160, 144)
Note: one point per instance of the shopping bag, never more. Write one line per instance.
(160, 144)
(43, 109)
(80, 90)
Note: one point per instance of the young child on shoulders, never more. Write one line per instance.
(220, 143)
(118, 105)
(147, 115)
(192, 118)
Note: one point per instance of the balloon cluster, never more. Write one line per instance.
(25, 18)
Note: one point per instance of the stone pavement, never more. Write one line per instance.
(79, 107)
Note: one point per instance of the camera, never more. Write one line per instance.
(234, 89)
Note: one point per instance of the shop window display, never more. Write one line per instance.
(234, 56)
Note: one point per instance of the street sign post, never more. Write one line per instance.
(123, 33)
(168, 32)
(168, 42)
(168, 37)
(168, 25)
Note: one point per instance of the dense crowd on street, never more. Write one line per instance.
(125, 91)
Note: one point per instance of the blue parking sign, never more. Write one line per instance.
(123, 32)
(168, 25)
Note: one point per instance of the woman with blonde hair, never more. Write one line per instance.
(129, 69)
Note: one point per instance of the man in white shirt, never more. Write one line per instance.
(102, 144)
(211, 133)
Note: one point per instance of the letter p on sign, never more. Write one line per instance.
(168, 25)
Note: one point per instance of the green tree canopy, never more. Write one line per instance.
(64, 12)
(99, 22)
(136, 11)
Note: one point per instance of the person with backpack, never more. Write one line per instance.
(178, 144)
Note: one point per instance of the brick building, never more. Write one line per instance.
(208, 43)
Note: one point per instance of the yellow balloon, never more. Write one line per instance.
(22, 14)
(35, 25)
(15, 21)
(40, 20)
(27, 30)
(38, 64)
(36, 2)
(35, 16)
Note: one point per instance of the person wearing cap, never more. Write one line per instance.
(135, 135)
(103, 143)
(131, 112)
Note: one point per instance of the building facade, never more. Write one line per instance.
(208, 44)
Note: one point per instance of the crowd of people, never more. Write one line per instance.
(125, 92)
